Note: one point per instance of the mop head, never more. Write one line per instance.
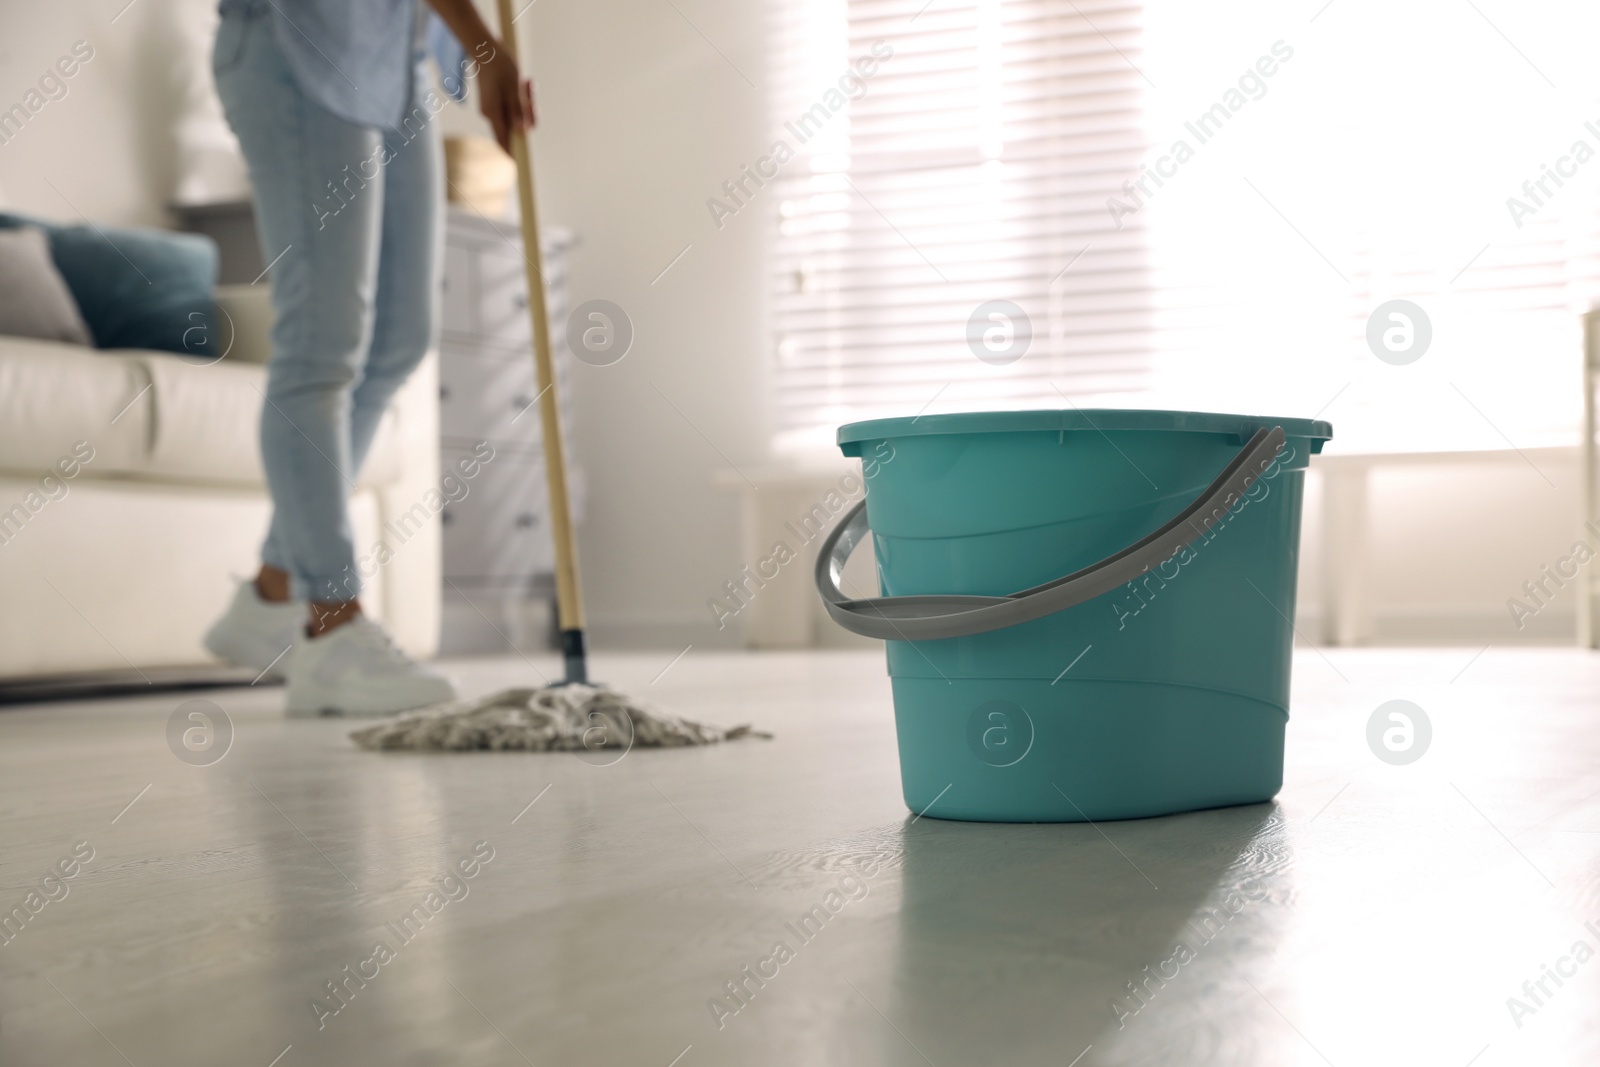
(565, 718)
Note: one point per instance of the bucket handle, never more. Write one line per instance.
(939, 616)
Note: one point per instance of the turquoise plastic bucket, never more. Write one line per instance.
(1087, 613)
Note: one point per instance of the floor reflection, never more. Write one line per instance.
(1042, 940)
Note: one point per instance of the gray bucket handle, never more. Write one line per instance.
(936, 617)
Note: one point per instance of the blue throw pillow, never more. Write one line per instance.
(137, 288)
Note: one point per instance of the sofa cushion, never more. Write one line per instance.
(146, 414)
(34, 298)
(53, 395)
(206, 421)
(136, 288)
(207, 424)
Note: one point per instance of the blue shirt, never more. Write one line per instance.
(354, 57)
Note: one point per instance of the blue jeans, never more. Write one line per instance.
(349, 217)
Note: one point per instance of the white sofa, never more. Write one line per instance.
(125, 563)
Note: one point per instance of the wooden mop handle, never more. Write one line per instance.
(569, 600)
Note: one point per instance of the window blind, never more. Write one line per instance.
(1194, 206)
(970, 168)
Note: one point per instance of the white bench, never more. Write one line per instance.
(1346, 557)
(784, 611)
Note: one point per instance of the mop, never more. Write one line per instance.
(575, 713)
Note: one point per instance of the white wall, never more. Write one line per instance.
(641, 121)
(108, 148)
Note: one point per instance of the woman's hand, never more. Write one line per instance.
(504, 96)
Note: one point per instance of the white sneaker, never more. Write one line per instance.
(355, 669)
(255, 633)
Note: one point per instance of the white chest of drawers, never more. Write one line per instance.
(496, 535)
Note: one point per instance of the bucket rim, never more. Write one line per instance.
(1092, 419)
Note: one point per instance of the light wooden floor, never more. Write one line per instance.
(1372, 915)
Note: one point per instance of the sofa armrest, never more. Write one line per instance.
(413, 574)
(245, 328)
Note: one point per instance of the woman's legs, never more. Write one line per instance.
(405, 310)
(319, 201)
(326, 203)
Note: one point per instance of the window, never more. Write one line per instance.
(1192, 205)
